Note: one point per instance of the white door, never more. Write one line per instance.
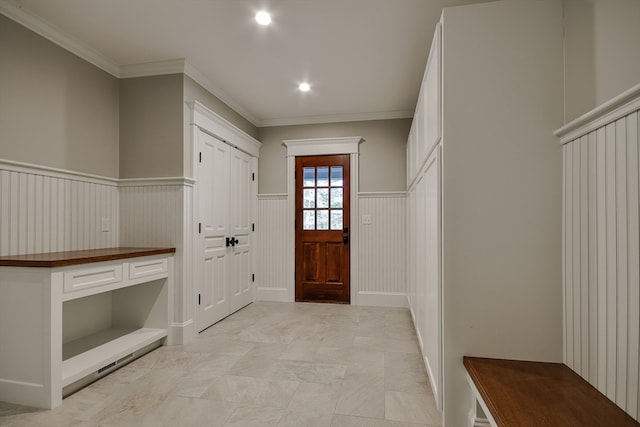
(224, 196)
(240, 280)
(213, 194)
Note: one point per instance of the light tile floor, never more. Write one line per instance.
(270, 364)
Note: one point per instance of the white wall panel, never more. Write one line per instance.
(602, 259)
(275, 254)
(381, 250)
(150, 215)
(382, 246)
(159, 214)
(46, 211)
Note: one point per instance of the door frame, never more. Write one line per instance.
(203, 119)
(320, 147)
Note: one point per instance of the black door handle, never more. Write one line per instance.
(345, 239)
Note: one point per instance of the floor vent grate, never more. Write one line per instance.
(104, 368)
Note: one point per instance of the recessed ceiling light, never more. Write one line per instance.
(263, 18)
(304, 87)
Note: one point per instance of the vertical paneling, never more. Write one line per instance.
(48, 212)
(621, 263)
(274, 275)
(568, 289)
(151, 215)
(592, 271)
(154, 214)
(633, 232)
(610, 177)
(583, 350)
(602, 259)
(381, 246)
(601, 227)
(577, 333)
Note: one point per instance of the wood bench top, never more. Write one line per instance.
(60, 259)
(540, 394)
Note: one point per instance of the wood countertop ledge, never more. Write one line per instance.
(61, 259)
(540, 394)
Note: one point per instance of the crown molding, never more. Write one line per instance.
(156, 68)
(206, 83)
(336, 118)
(54, 34)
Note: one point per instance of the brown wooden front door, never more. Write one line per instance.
(322, 228)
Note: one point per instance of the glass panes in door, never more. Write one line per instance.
(323, 198)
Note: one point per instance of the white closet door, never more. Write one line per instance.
(240, 289)
(213, 190)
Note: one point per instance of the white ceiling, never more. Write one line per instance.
(363, 58)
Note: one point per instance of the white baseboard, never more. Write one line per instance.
(382, 299)
(181, 333)
(30, 394)
(373, 299)
(432, 381)
(273, 294)
(481, 422)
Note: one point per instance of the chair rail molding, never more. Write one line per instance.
(620, 106)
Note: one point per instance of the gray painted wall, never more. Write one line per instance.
(382, 155)
(56, 109)
(151, 123)
(601, 52)
(502, 175)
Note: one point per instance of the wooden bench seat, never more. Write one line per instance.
(539, 394)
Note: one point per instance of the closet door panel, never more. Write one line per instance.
(240, 207)
(213, 182)
(213, 191)
(240, 193)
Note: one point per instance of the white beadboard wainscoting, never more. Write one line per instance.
(381, 250)
(275, 264)
(601, 249)
(157, 212)
(49, 210)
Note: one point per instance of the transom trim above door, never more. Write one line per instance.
(322, 146)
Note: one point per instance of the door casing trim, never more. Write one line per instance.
(320, 147)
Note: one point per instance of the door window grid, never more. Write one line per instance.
(322, 198)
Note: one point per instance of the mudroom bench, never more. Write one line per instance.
(67, 318)
(538, 394)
